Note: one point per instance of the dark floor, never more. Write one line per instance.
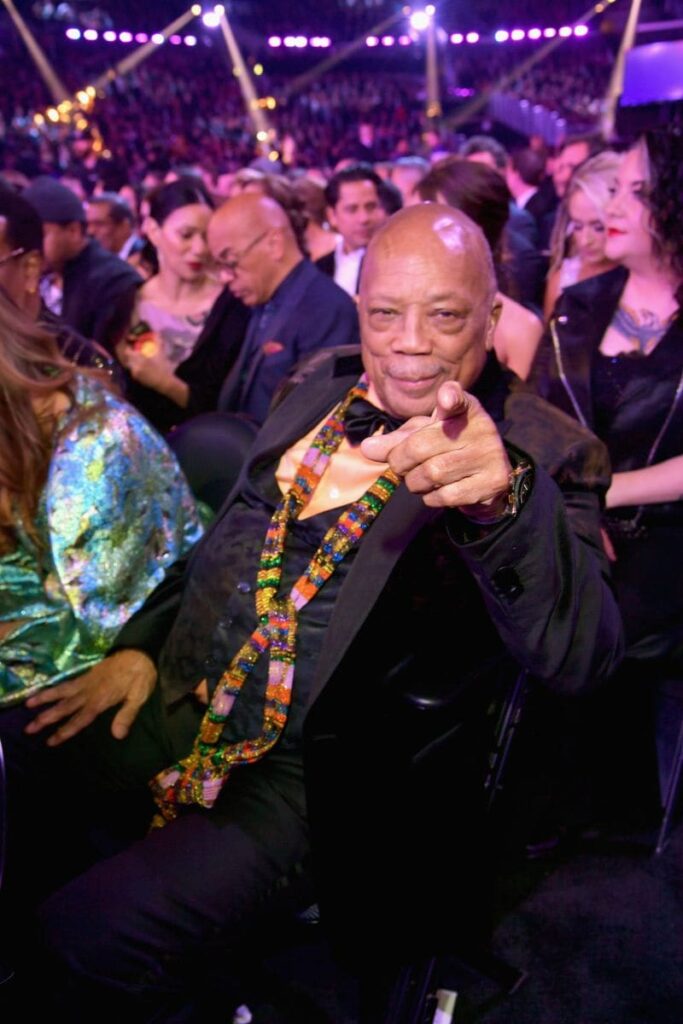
(598, 927)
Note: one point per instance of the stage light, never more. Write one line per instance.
(141, 37)
(109, 36)
(501, 36)
(372, 41)
(325, 42)
(290, 41)
(175, 40)
(211, 19)
(91, 91)
(219, 9)
(91, 34)
(271, 102)
(430, 9)
(196, 10)
(258, 69)
(472, 37)
(262, 136)
(534, 33)
(388, 40)
(565, 31)
(190, 40)
(273, 155)
(274, 41)
(300, 42)
(404, 40)
(419, 20)
(581, 30)
(517, 34)
(125, 37)
(82, 97)
(73, 33)
(550, 33)
(53, 115)
(158, 39)
(457, 38)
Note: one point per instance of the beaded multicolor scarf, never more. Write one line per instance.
(199, 778)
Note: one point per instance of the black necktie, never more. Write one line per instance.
(363, 419)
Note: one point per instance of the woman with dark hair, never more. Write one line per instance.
(482, 194)
(613, 359)
(93, 510)
(186, 330)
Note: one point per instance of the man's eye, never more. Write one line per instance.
(384, 313)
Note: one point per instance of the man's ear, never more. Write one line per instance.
(494, 317)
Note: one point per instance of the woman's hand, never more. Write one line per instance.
(150, 366)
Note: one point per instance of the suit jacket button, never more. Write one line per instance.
(507, 583)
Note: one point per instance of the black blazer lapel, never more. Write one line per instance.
(387, 539)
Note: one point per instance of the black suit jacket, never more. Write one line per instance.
(424, 625)
(99, 295)
(328, 265)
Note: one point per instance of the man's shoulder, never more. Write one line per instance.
(569, 452)
(103, 268)
(323, 291)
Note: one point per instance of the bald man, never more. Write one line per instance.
(296, 309)
(393, 549)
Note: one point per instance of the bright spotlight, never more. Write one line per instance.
(550, 33)
(125, 37)
(565, 31)
(109, 36)
(419, 20)
(457, 38)
(581, 30)
(190, 40)
(91, 34)
(73, 33)
(372, 41)
(517, 34)
(534, 33)
(211, 19)
(472, 37)
(274, 41)
(158, 39)
(141, 37)
(501, 36)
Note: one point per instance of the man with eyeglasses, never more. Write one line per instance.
(296, 309)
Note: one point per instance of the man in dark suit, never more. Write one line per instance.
(476, 560)
(91, 289)
(354, 209)
(533, 191)
(296, 310)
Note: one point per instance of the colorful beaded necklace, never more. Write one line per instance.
(199, 778)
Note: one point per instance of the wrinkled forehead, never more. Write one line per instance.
(448, 256)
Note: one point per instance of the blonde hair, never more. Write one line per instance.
(594, 177)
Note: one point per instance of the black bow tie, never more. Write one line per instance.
(363, 419)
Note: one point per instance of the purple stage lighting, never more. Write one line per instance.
(190, 40)
(517, 34)
(472, 37)
(125, 37)
(91, 34)
(141, 37)
(550, 33)
(372, 41)
(581, 30)
(502, 35)
(73, 33)
(565, 31)
(274, 41)
(534, 33)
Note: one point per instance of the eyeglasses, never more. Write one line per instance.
(231, 265)
(12, 255)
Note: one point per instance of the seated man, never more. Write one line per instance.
(354, 209)
(396, 563)
(296, 309)
(91, 289)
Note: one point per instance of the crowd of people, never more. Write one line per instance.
(299, 468)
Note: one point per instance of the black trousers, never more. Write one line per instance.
(152, 932)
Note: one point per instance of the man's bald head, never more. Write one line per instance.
(438, 232)
(254, 246)
(427, 306)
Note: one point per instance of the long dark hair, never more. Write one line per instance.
(665, 198)
(31, 367)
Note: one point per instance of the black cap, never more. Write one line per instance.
(54, 203)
